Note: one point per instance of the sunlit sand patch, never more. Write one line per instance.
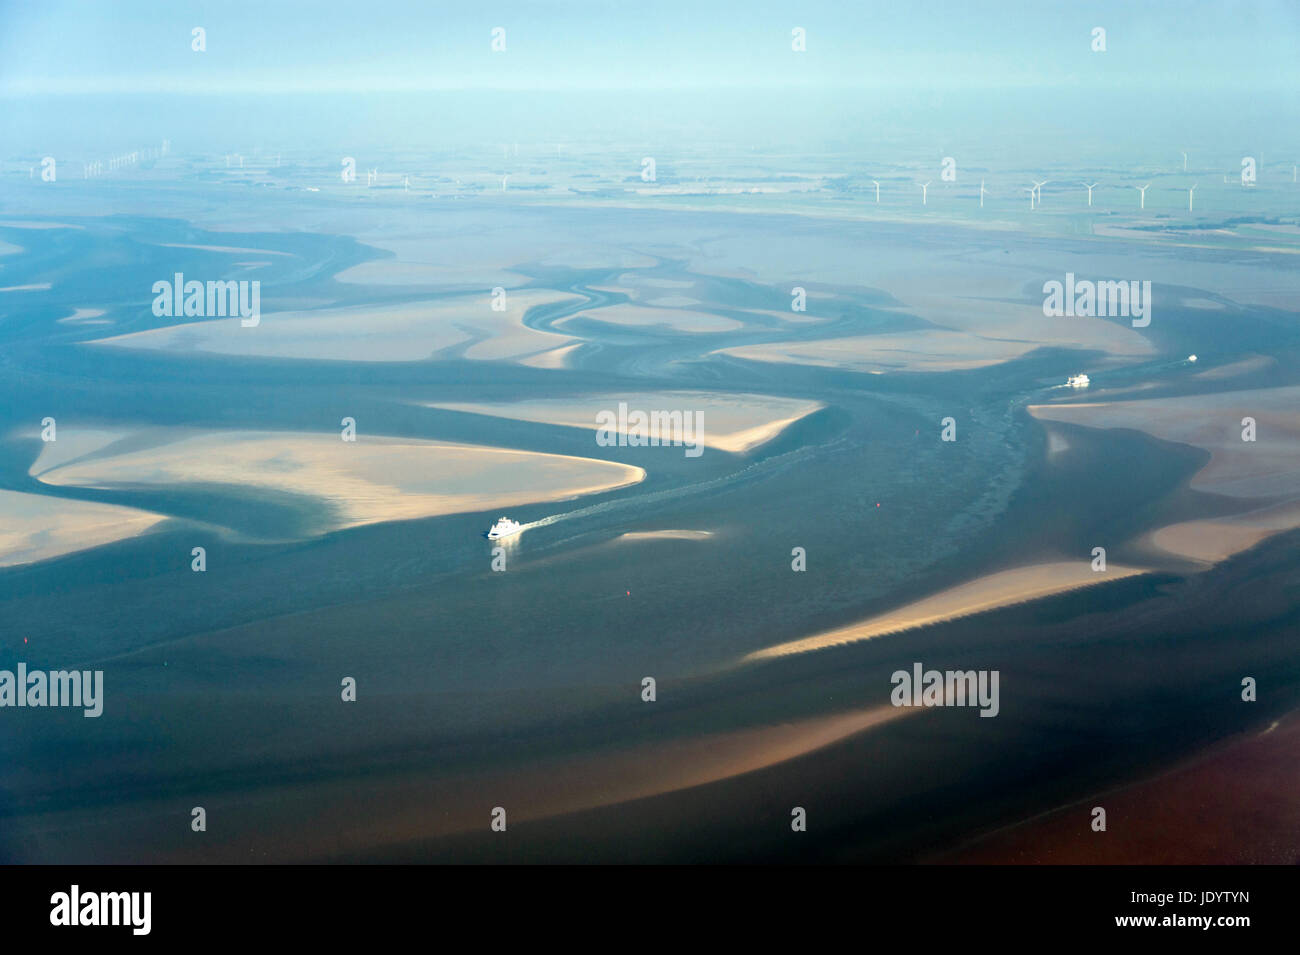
(977, 321)
(34, 527)
(1231, 370)
(221, 248)
(1000, 320)
(374, 479)
(443, 256)
(924, 350)
(405, 332)
(954, 284)
(8, 224)
(555, 787)
(399, 272)
(732, 423)
(641, 289)
(653, 295)
(35, 287)
(508, 337)
(672, 301)
(648, 298)
(555, 358)
(1266, 467)
(347, 819)
(1215, 539)
(788, 315)
(85, 316)
(667, 767)
(1002, 589)
(71, 444)
(675, 318)
(983, 299)
(683, 535)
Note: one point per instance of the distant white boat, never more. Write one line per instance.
(504, 528)
(1078, 381)
(1191, 358)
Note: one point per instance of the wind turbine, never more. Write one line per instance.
(1090, 188)
(406, 183)
(503, 181)
(1031, 197)
(1038, 188)
(1143, 190)
(924, 186)
(877, 185)
(982, 191)
(1190, 193)
(1184, 162)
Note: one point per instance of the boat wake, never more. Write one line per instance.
(752, 472)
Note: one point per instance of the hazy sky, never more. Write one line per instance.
(288, 45)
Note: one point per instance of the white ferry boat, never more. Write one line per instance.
(1078, 381)
(504, 528)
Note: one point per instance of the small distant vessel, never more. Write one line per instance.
(1191, 358)
(504, 528)
(1078, 381)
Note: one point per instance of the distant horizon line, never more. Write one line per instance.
(34, 89)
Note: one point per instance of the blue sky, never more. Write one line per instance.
(287, 45)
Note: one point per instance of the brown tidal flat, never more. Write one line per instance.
(1268, 467)
(978, 321)
(1000, 589)
(585, 782)
(1264, 474)
(34, 527)
(1234, 804)
(411, 331)
(373, 479)
(326, 819)
(734, 423)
